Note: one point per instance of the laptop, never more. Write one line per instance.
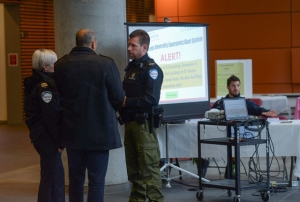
(235, 109)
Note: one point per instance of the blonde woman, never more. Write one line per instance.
(42, 110)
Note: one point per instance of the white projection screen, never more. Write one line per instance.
(180, 49)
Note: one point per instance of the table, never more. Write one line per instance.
(183, 141)
(278, 103)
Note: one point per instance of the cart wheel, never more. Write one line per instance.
(199, 195)
(265, 196)
(236, 199)
(229, 193)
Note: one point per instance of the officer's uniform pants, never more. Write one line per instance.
(52, 183)
(142, 161)
(96, 162)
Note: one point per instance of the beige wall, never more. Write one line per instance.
(3, 97)
(10, 76)
(13, 73)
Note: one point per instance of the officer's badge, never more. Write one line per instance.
(151, 62)
(46, 96)
(132, 76)
(44, 85)
(153, 73)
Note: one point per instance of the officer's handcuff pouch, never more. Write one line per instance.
(158, 117)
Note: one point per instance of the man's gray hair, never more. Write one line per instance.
(84, 37)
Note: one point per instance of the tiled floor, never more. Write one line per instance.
(19, 176)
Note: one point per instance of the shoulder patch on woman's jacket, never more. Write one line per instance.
(46, 96)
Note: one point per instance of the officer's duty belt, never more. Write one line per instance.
(139, 117)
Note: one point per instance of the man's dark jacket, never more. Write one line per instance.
(142, 85)
(91, 89)
(253, 109)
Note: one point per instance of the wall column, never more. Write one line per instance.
(107, 19)
(11, 97)
(3, 101)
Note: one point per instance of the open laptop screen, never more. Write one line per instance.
(235, 108)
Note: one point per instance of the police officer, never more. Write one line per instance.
(142, 85)
(42, 111)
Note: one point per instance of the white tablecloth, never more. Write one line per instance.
(278, 103)
(183, 141)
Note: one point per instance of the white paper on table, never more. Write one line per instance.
(273, 120)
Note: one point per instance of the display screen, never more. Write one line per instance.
(180, 49)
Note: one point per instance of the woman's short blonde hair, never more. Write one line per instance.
(42, 57)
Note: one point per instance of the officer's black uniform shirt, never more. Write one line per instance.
(253, 109)
(142, 84)
(42, 107)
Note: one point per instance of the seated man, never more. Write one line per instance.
(233, 86)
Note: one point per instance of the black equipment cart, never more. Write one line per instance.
(233, 182)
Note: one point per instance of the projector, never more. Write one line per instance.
(215, 114)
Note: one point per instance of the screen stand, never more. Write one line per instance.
(168, 164)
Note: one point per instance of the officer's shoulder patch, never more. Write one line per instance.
(44, 85)
(153, 73)
(106, 57)
(46, 96)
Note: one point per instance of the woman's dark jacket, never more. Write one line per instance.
(42, 107)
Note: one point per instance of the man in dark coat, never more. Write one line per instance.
(91, 89)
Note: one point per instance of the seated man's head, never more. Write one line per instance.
(233, 86)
